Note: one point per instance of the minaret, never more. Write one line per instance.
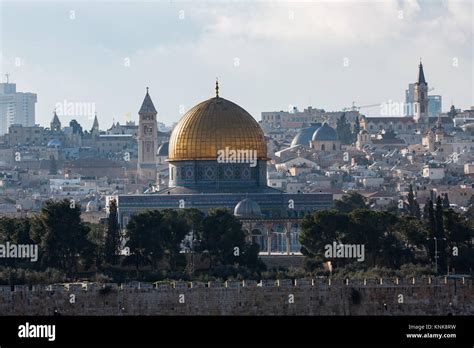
(147, 141)
(420, 99)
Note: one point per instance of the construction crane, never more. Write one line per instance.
(354, 107)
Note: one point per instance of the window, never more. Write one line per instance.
(323, 147)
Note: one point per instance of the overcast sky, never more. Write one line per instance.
(267, 55)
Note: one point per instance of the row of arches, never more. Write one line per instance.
(274, 238)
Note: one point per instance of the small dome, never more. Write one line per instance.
(163, 149)
(54, 143)
(91, 206)
(247, 208)
(325, 133)
(304, 135)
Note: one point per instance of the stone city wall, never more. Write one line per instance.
(428, 296)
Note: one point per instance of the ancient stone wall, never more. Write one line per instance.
(436, 296)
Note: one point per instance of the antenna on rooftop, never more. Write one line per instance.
(8, 77)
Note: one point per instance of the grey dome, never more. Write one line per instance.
(91, 206)
(304, 135)
(325, 133)
(163, 149)
(247, 208)
(54, 143)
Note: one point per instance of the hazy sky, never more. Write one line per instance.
(267, 55)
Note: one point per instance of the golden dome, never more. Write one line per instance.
(213, 125)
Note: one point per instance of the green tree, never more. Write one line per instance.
(97, 237)
(430, 220)
(459, 233)
(446, 204)
(322, 228)
(372, 228)
(413, 206)
(15, 231)
(112, 237)
(344, 130)
(145, 238)
(349, 202)
(223, 240)
(62, 237)
(412, 231)
(175, 228)
(411, 200)
(439, 233)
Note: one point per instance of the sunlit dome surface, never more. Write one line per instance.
(213, 125)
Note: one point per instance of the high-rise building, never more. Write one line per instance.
(147, 141)
(409, 99)
(434, 105)
(15, 107)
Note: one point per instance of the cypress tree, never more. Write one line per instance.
(446, 201)
(112, 237)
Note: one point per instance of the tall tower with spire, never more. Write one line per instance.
(95, 125)
(55, 124)
(420, 100)
(147, 141)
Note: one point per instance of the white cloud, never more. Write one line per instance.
(283, 61)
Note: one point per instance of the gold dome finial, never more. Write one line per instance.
(217, 88)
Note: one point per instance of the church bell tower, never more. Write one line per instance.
(420, 100)
(147, 141)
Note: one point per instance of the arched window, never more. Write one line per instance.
(334, 147)
(323, 147)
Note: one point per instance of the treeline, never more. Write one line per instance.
(156, 239)
(391, 239)
(69, 248)
(186, 244)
